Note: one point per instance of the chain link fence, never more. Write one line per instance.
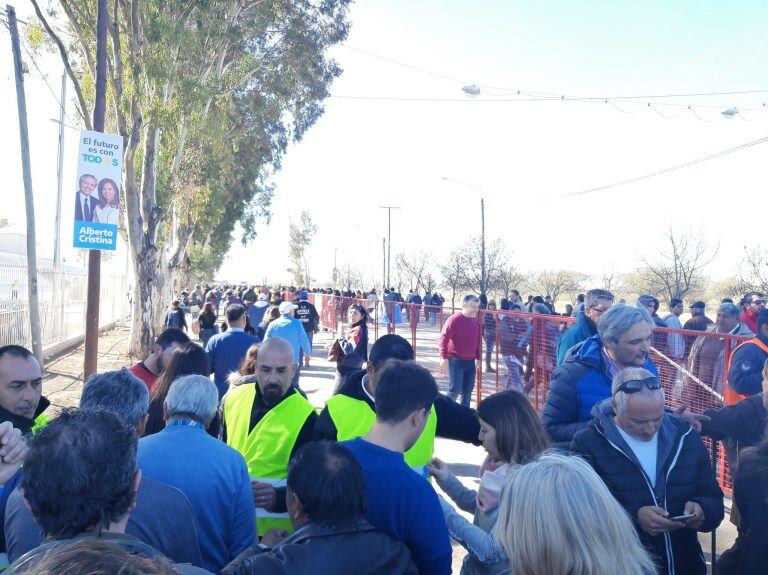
(62, 297)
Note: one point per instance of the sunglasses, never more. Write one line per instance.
(759, 302)
(637, 385)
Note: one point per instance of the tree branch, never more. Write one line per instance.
(83, 106)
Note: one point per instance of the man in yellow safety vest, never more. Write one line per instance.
(21, 399)
(351, 412)
(267, 422)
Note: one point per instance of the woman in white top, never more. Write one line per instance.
(108, 210)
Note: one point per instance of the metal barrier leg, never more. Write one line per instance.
(713, 548)
(498, 367)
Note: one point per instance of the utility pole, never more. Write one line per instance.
(389, 239)
(60, 173)
(383, 265)
(21, 101)
(94, 256)
(335, 269)
(482, 246)
(483, 273)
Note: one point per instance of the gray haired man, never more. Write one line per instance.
(706, 359)
(170, 531)
(657, 468)
(460, 345)
(584, 379)
(211, 474)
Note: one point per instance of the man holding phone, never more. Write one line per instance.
(658, 469)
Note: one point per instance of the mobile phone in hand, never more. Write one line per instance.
(683, 518)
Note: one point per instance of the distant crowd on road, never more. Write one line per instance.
(207, 457)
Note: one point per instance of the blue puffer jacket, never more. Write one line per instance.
(576, 386)
(578, 332)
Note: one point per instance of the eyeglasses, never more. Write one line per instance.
(636, 385)
(599, 309)
(759, 302)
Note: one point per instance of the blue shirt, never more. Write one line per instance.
(404, 505)
(215, 480)
(226, 352)
(291, 330)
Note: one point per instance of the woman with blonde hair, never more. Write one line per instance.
(557, 517)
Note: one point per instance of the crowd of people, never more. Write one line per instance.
(207, 456)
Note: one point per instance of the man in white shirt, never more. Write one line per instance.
(85, 203)
(656, 467)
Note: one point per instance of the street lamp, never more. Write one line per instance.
(483, 285)
(389, 238)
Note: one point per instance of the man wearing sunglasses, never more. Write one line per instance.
(657, 468)
(746, 363)
(752, 303)
(584, 379)
(596, 303)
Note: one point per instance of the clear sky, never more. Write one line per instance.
(524, 155)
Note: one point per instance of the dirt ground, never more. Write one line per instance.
(63, 376)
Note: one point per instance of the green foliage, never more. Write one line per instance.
(229, 85)
(299, 239)
(36, 38)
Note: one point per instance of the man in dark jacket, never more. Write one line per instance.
(657, 468)
(350, 413)
(175, 317)
(326, 503)
(697, 322)
(596, 303)
(21, 384)
(747, 361)
(307, 314)
(584, 379)
(651, 304)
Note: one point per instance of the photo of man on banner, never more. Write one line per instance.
(85, 203)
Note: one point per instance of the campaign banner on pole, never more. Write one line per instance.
(97, 199)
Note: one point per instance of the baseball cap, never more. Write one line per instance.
(303, 295)
(286, 307)
(699, 304)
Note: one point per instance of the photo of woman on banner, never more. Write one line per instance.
(108, 208)
(85, 202)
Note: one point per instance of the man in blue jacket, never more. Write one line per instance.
(584, 379)
(745, 368)
(596, 303)
(227, 350)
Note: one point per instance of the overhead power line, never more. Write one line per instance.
(667, 170)
(45, 79)
(553, 95)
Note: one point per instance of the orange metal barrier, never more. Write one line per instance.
(522, 353)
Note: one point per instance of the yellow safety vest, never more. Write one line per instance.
(40, 422)
(354, 417)
(267, 447)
